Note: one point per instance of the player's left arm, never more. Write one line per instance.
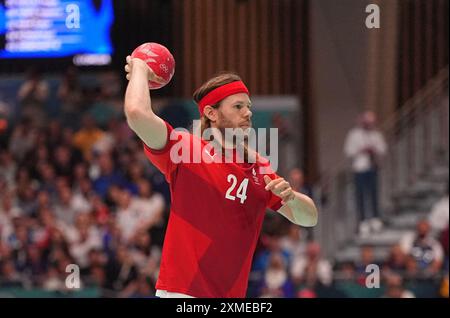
(297, 207)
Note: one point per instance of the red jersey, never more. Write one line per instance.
(216, 215)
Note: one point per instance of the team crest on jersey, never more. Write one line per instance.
(255, 177)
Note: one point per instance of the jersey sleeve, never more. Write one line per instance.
(161, 157)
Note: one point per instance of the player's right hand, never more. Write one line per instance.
(134, 64)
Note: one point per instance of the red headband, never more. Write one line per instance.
(220, 93)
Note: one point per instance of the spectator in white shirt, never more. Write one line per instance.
(364, 146)
(136, 214)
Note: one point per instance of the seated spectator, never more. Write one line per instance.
(134, 215)
(33, 95)
(423, 249)
(35, 265)
(87, 136)
(396, 261)
(8, 168)
(395, 289)
(53, 280)
(9, 276)
(23, 140)
(271, 244)
(145, 256)
(69, 206)
(82, 238)
(96, 259)
(312, 269)
(7, 213)
(296, 179)
(276, 282)
(366, 258)
(150, 204)
(63, 161)
(108, 175)
(294, 241)
(100, 109)
(145, 288)
(48, 178)
(121, 274)
(70, 96)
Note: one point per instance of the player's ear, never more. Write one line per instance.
(210, 113)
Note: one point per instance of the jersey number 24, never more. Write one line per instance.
(241, 192)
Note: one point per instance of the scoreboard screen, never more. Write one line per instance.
(56, 28)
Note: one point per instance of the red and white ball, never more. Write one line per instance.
(159, 59)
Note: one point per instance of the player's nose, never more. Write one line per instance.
(248, 113)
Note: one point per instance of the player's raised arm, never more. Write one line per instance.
(138, 107)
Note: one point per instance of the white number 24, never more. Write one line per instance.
(241, 192)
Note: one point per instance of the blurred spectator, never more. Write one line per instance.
(312, 269)
(53, 280)
(138, 214)
(367, 258)
(271, 244)
(22, 140)
(145, 288)
(121, 274)
(395, 289)
(85, 138)
(63, 161)
(8, 211)
(145, 256)
(294, 242)
(396, 261)
(83, 237)
(33, 95)
(8, 168)
(9, 276)
(276, 282)
(107, 142)
(47, 177)
(423, 249)
(151, 206)
(100, 109)
(296, 179)
(70, 97)
(35, 265)
(69, 206)
(364, 145)
(107, 175)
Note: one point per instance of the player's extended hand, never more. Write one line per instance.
(280, 188)
(134, 63)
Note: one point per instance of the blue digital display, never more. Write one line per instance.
(55, 28)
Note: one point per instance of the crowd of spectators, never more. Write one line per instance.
(76, 188)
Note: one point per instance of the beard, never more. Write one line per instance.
(223, 122)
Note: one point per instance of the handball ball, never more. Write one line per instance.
(159, 59)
